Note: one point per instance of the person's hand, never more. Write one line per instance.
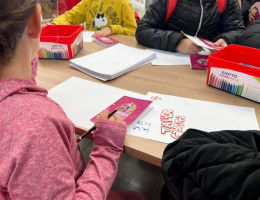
(218, 44)
(104, 32)
(186, 46)
(255, 5)
(104, 115)
(110, 135)
(251, 14)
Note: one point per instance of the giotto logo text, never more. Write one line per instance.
(229, 74)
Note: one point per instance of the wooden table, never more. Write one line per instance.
(179, 81)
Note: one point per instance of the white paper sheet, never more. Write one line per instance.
(190, 113)
(205, 44)
(87, 36)
(82, 99)
(169, 58)
(112, 62)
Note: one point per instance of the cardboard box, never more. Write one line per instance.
(236, 69)
(61, 41)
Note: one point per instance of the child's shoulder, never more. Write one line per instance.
(46, 108)
(30, 116)
(34, 108)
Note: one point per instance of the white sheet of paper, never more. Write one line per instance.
(169, 58)
(190, 113)
(198, 42)
(82, 99)
(87, 36)
(112, 62)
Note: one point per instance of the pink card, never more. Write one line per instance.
(106, 41)
(203, 42)
(198, 61)
(129, 108)
(210, 44)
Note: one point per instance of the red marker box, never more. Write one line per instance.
(236, 69)
(61, 41)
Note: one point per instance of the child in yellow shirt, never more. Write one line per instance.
(106, 17)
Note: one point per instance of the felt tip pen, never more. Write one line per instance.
(94, 127)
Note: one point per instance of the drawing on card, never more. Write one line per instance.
(129, 109)
(126, 109)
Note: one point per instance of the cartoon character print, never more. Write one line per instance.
(130, 108)
(99, 21)
(202, 61)
(125, 110)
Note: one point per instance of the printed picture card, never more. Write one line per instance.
(129, 109)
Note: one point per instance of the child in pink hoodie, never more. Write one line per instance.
(39, 155)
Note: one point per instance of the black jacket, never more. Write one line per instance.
(153, 32)
(222, 165)
(251, 36)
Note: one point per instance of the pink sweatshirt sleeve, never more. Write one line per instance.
(101, 170)
(43, 162)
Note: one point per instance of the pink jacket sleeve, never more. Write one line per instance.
(44, 162)
(101, 170)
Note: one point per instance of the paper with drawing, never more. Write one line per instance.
(171, 116)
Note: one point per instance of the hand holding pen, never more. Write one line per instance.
(105, 114)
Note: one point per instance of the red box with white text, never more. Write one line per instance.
(236, 69)
(61, 41)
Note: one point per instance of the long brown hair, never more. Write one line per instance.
(14, 15)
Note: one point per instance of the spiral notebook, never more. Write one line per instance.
(112, 62)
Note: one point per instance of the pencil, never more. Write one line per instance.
(94, 127)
